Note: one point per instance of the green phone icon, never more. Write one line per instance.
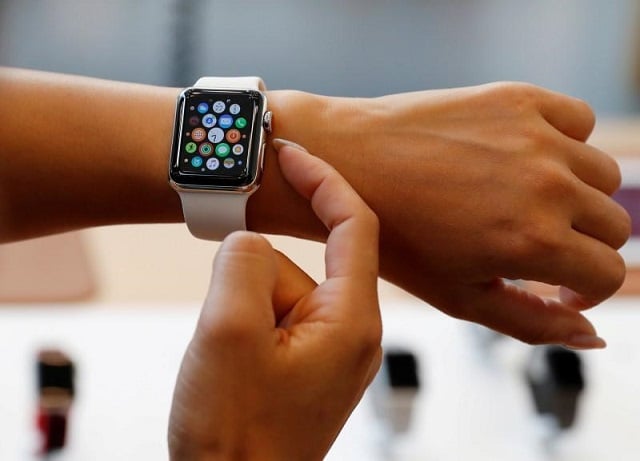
(190, 147)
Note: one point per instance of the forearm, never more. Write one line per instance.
(79, 152)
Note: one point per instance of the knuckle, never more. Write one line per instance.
(609, 282)
(623, 227)
(614, 174)
(587, 113)
(617, 272)
(230, 330)
(369, 339)
(609, 177)
(537, 140)
(539, 239)
(627, 228)
(521, 96)
(550, 182)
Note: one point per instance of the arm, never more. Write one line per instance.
(80, 152)
(475, 184)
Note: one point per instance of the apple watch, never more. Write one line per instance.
(217, 153)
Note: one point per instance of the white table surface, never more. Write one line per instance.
(474, 404)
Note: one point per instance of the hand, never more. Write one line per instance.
(478, 184)
(277, 364)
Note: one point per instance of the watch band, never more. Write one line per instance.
(232, 83)
(212, 215)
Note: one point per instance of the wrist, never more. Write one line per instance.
(332, 128)
(276, 208)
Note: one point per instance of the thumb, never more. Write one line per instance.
(239, 301)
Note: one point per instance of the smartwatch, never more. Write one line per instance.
(217, 153)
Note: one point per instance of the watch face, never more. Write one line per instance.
(217, 138)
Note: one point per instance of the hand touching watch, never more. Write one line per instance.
(277, 363)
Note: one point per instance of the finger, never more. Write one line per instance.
(571, 116)
(511, 310)
(352, 246)
(602, 218)
(243, 279)
(292, 285)
(582, 264)
(593, 166)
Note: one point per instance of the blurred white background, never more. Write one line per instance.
(587, 48)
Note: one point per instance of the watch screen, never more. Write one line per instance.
(216, 143)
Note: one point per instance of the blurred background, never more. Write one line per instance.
(79, 291)
(586, 48)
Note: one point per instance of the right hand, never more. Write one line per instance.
(277, 363)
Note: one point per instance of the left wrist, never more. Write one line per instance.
(297, 116)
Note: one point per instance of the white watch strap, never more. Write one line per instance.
(231, 83)
(215, 214)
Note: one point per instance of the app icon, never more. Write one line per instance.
(213, 163)
(234, 109)
(205, 149)
(229, 162)
(222, 149)
(219, 107)
(241, 122)
(238, 149)
(209, 120)
(196, 162)
(198, 134)
(233, 136)
(194, 121)
(225, 121)
(203, 107)
(191, 147)
(216, 135)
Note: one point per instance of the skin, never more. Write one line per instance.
(273, 372)
(477, 184)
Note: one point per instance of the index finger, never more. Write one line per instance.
(352, 245)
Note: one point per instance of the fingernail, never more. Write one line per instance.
(582, 341)
(279, 143)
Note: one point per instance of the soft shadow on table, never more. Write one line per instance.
(50, 269)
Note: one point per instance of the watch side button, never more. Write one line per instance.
(267, 121)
